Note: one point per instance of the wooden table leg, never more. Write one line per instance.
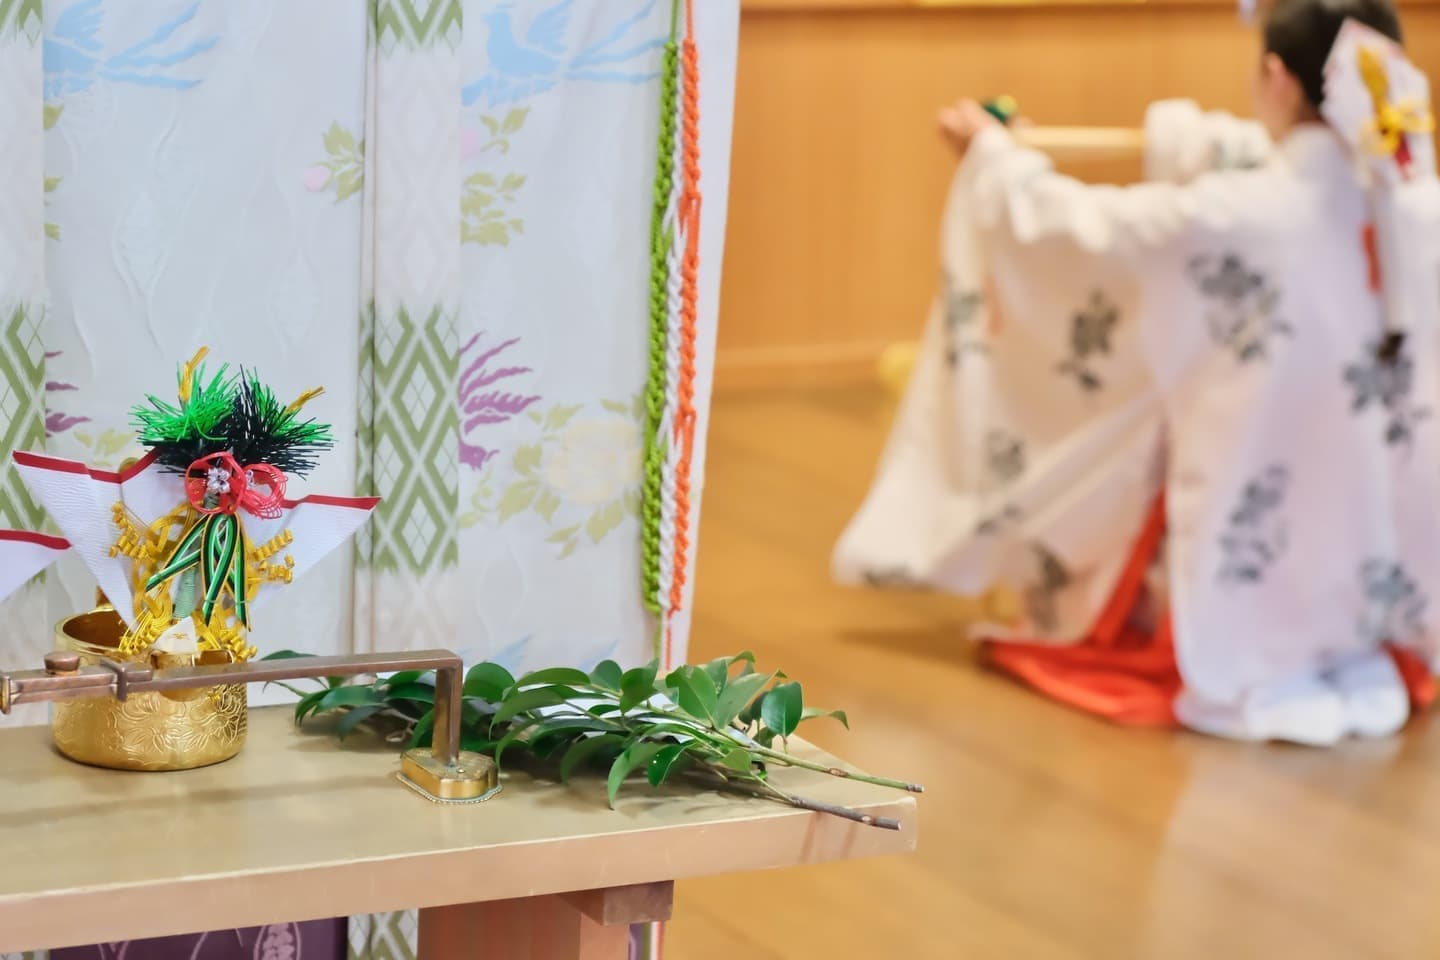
(589, 925)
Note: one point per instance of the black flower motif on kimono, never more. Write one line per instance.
(1255, 535)
(1387, 384)
(1003, 517)
(1005, 457)
(1243, 306)
(1090, 330)
(962, 311)
(1394, 603)
(893, 578)
(1042, 594)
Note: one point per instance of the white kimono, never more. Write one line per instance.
(1212, 336)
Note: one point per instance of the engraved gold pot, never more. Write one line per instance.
(149, 731)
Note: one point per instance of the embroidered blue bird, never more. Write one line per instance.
(546, 55)
(75, 57)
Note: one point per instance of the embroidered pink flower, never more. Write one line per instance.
(317, 178)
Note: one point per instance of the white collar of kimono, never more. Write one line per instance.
(1316, 150)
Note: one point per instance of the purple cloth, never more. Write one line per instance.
(315, 940)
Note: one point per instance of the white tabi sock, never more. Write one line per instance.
(1303, 709)
(1376, 702)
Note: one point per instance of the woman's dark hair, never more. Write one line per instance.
(1301, 33)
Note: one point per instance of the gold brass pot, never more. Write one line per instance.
(149, 731)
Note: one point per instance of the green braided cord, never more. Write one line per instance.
(216, 558)
(655, 388)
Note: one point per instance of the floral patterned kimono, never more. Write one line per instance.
(1202, 360)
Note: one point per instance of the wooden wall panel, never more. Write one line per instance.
(837, 174)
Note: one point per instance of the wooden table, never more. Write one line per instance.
(300, 828)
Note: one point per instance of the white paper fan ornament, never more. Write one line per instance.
(1379, 103)
(23, 555)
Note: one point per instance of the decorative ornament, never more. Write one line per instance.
(1377, 100)
(186, 540)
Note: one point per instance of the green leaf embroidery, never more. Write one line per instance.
(349, 183)
(615, 407)
(546, 505)
(527, 458)
(605, 519)
(52, 114)
(515, 119)
(512, 182)
(559, 416)
(52, 230)
(560, 536)
(339, 140)
(517, 498)
(491, 124)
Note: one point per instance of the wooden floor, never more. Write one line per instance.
(1044, 834)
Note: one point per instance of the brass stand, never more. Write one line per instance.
(444, 773)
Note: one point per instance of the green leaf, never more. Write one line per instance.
(527, 458)
(424, 727)
(535, 415)
(481, 179)
(589, 748)
(515, 732)
(339, 140)
(607, 674)
(810, 713)
(604, 520)
(529, 700)
(52, 114)
(560, 536)
(718, 670)
(614, 407)
(351, 696)
(559, 416)
(632, 502)
(486, 234)
(418, 692)
(491, 124)
(488, 681)
(766, 737)
(354, 718)
(696, 693)
(737, 696)
(349, 183)
(784, 706)
(514, 120)
(512, 182)
(738, 760)
(52, 230)
(546, 504)
(308, 705)
(404, 677)
(517, 498)
(637, 686)
(635, 755)
(476, 743)
(553, 675)
(664, 762)
(51, 183)
(285, 655)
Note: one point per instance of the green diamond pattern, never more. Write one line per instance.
(20, 17)
(409, 438)
(22, 410)
(385, 936)
(416, 24)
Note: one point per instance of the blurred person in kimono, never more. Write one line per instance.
(1191, 424)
